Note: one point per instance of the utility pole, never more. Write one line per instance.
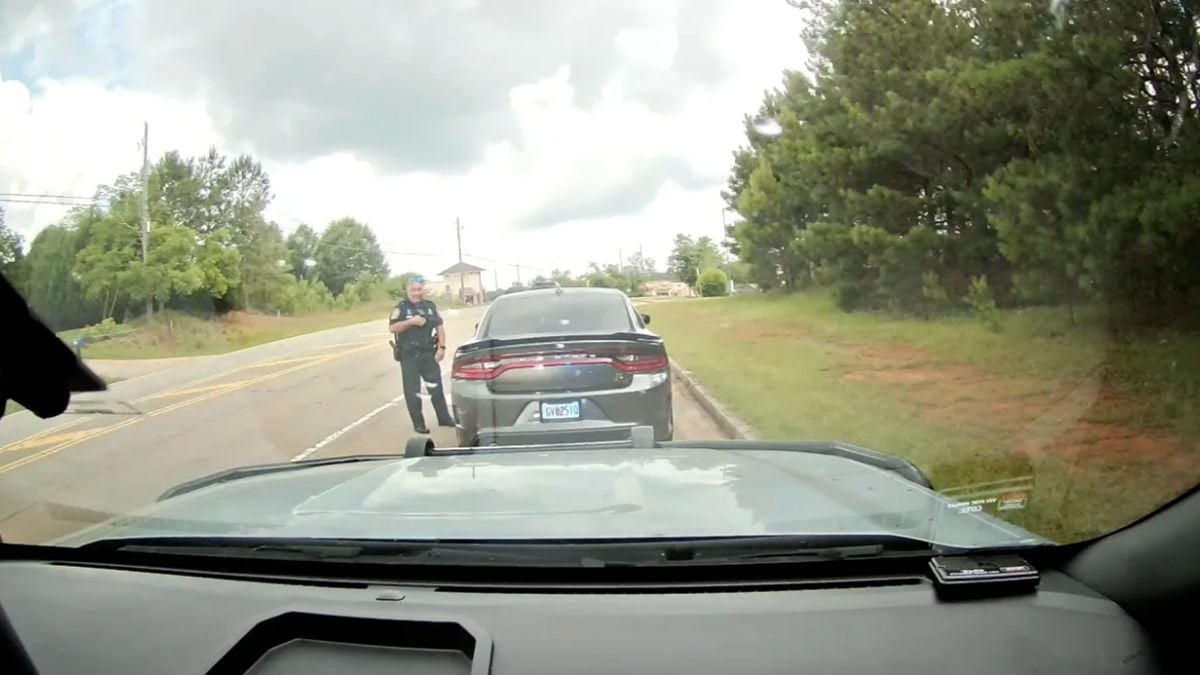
(458, 233)
(620, 261)
(518, 266)
(145, 207)
(462, 291)
(496, 278)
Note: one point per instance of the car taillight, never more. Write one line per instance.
(492, 367)
(640, 363)
(475, 370)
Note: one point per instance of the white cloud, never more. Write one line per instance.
(607, 171)
(68, 136)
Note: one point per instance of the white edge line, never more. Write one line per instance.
(340, 432)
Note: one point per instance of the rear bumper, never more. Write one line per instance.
(558, 432)
(487, 418)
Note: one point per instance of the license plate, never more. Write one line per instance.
(559, 412)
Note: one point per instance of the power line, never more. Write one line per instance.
(385, 247)
(35, 195)
(41, 199)
(44, 202)
(511, 264)
(47, 199)
(556, 263)
(347, 247)
(462, 254)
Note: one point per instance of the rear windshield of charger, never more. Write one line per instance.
(548, 313)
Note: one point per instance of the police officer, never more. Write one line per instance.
(419, 346)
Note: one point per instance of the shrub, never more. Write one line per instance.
(106, 327)
(713, 283)
(934, 294)
(979, 297)
(849, 296)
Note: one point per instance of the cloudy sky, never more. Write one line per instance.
(559, 131)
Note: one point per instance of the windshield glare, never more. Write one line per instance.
(918, 271)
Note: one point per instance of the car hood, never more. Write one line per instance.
(577, 494)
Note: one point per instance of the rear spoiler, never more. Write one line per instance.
(516, 341)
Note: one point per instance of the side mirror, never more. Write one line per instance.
(646, 319)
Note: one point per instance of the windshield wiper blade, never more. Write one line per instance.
(827, 553)
(785, 548)
(794, 547)
(578, 553)
(342, 550)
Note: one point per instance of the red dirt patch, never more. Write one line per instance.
(895, 354)
(957, 394)
(898, 376)
(1122, 444)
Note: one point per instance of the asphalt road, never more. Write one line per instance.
(325, 394)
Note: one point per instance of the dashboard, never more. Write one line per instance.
(75, 618)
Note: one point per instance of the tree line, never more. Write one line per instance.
(211, 250)
(945, 153)
(629, 276)
(696, 261)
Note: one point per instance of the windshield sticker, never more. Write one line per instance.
(1005, 494)
(1013, 501)
(973, 506)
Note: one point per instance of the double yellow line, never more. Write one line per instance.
(234, 386)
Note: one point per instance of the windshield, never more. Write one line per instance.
(540, 313)
(918, 270)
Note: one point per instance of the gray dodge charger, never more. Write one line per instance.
(561, 364)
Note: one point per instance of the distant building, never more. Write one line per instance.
(674, 289)
(463, 281)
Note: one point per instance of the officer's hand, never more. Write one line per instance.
(417, 320)
(439, 354)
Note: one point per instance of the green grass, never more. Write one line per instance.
(1106, 428)
(172, 334)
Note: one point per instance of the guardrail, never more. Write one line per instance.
(84, 340)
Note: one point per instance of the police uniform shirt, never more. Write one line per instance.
(417, 336)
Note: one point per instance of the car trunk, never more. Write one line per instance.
(581, 363)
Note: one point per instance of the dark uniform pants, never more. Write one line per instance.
(417, 365)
